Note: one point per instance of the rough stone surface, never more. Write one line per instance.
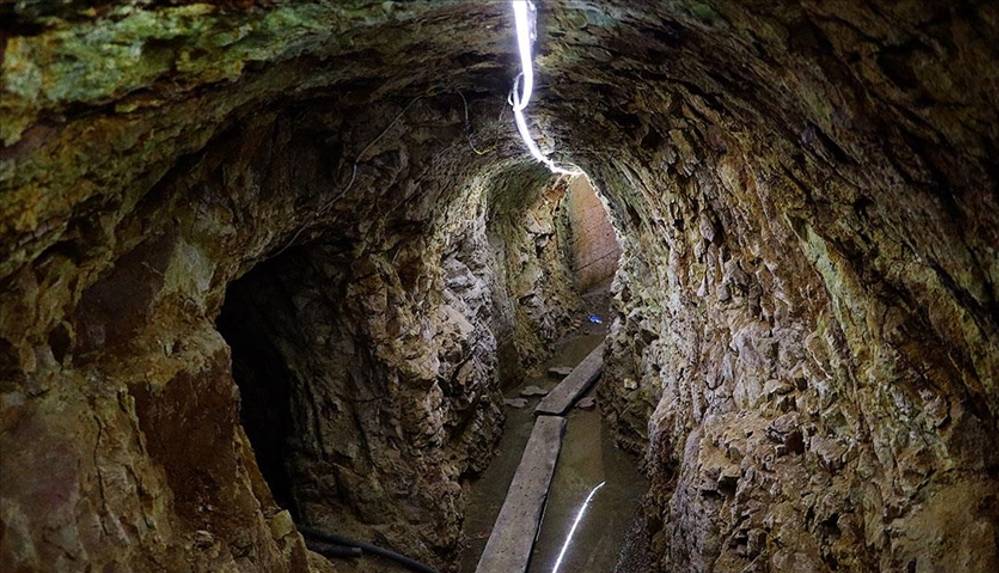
(593, 241)
(559, 371)
(805, 341)
(533, 391)
(805, 330)
(368, 337)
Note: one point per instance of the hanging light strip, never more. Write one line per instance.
(523, 87)
(525, 35)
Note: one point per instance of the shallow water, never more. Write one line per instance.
(588, 457)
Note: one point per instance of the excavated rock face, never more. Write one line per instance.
(594, 245)
(805, 346)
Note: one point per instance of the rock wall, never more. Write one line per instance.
(391, 393)
(805, 346)
(593, 243)
(806, 332)
(539, 300)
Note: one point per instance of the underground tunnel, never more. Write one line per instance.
(456, 286)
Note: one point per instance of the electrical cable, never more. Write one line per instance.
(468, 125)
(333, 550)
(335, 539)
(322, 209)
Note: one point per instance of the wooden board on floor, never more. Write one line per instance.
(509, 547)
(572, 388)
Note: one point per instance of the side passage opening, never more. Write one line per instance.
(266, 384)
(297, 367)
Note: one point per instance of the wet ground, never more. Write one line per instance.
(588, 458)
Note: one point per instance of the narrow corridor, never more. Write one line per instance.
(588, 457)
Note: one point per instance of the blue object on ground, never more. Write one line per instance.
(595, 319)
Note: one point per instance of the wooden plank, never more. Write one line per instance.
(509, 547)
(559, 400)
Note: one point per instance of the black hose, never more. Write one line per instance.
(332, 549)
(406, 562)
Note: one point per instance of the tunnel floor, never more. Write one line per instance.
(588, 457)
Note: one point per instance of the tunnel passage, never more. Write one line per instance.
(304, 359)
(316, 398)
(315, 401)
(804, 333)
(354, 427)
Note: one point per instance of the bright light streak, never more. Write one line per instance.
(523, 88)
(572, 531)
(522, 19)
(533, 148)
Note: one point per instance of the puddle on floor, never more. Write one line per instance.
(489, 491)
(588, 457)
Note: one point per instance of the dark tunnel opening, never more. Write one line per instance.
(308, 389)
(262, 375)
